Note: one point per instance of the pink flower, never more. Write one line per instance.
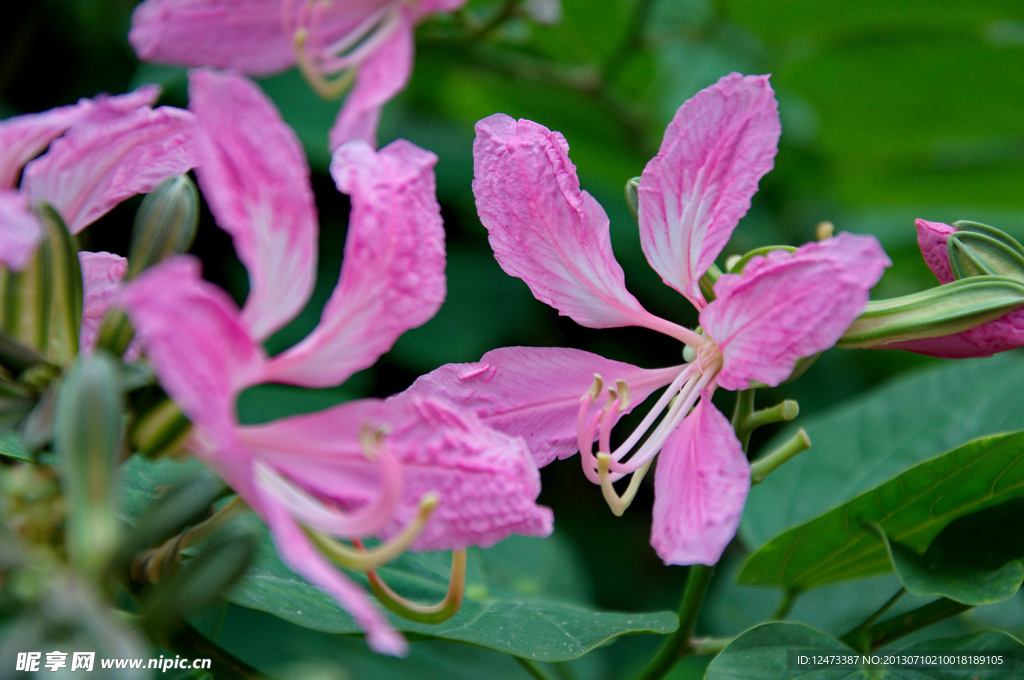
(369, 42)
(555, 237)
(101, 151)
(1000, 335)
(365, 468)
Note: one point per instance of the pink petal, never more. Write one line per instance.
(20, 232)
(383, 74)
(1001, 335)
(534, 392)
(392, 277)
(247, 35)
(788, 306)
(694, 192)
(486, 482)
(700, 486)
(101, 282)
(101, 162)
(194, 340)
(299, 554)
(22, 138)
(931, 238)
(544, 229)
(254, 175)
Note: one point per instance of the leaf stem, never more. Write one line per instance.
(680, 644)
(740, 414)
(875, 636)
(788, 598)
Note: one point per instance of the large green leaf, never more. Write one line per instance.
(976, 559)
(766, 653)
(523, 596)
(874, 438)
(911, 508)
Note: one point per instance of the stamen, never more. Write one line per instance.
(663, 401)
(677, 412)
(423, 613)
(312, 512)
(364, 560)
(326, 88)
(585, 440)
(617, 503)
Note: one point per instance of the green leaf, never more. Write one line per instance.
(763, 653)
(517, 623)
(523, 596)
(875, 437)
(912, 508)
(11, 446)
(974, 560)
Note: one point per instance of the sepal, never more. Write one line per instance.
(979, 250)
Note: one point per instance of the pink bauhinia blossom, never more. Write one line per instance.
(365, 468)
(367, 44)
(101, 151)
(1000, 335)
(783, 307)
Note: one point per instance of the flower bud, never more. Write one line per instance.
(41, 305)
(936, 312)
(165, 224)
(972, 253)
(87, 437)
(159, 429)
(633, 197)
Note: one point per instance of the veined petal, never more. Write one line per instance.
(383, 74)
(101, 282)
(931, 239)
(301, 555)
(99, 163)
(392, 276)
(22, 138)
(694, 192)
(194, 340)
(486, 483)
(20, 231)
(788, 306)
(544, 229)
(534, 392)
(254, 176)
(700, 486)
(247, 35)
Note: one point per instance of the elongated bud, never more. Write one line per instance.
(165, 224)
(41, 306)
(115, 332)
(633, 197)
(975, 254)
(159, 430)
(87, 434)
(944, 310)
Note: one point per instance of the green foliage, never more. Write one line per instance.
(975, 559)
(912, 508)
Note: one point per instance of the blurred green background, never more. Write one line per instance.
(890, 111)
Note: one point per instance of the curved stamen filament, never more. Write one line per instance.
(617, 503)
(423, 613)
(312, 512)
(680, 408)
(318, 62)
(652, 415)
(364, 560)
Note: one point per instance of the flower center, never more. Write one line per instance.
(327, 53)
(634, 456)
